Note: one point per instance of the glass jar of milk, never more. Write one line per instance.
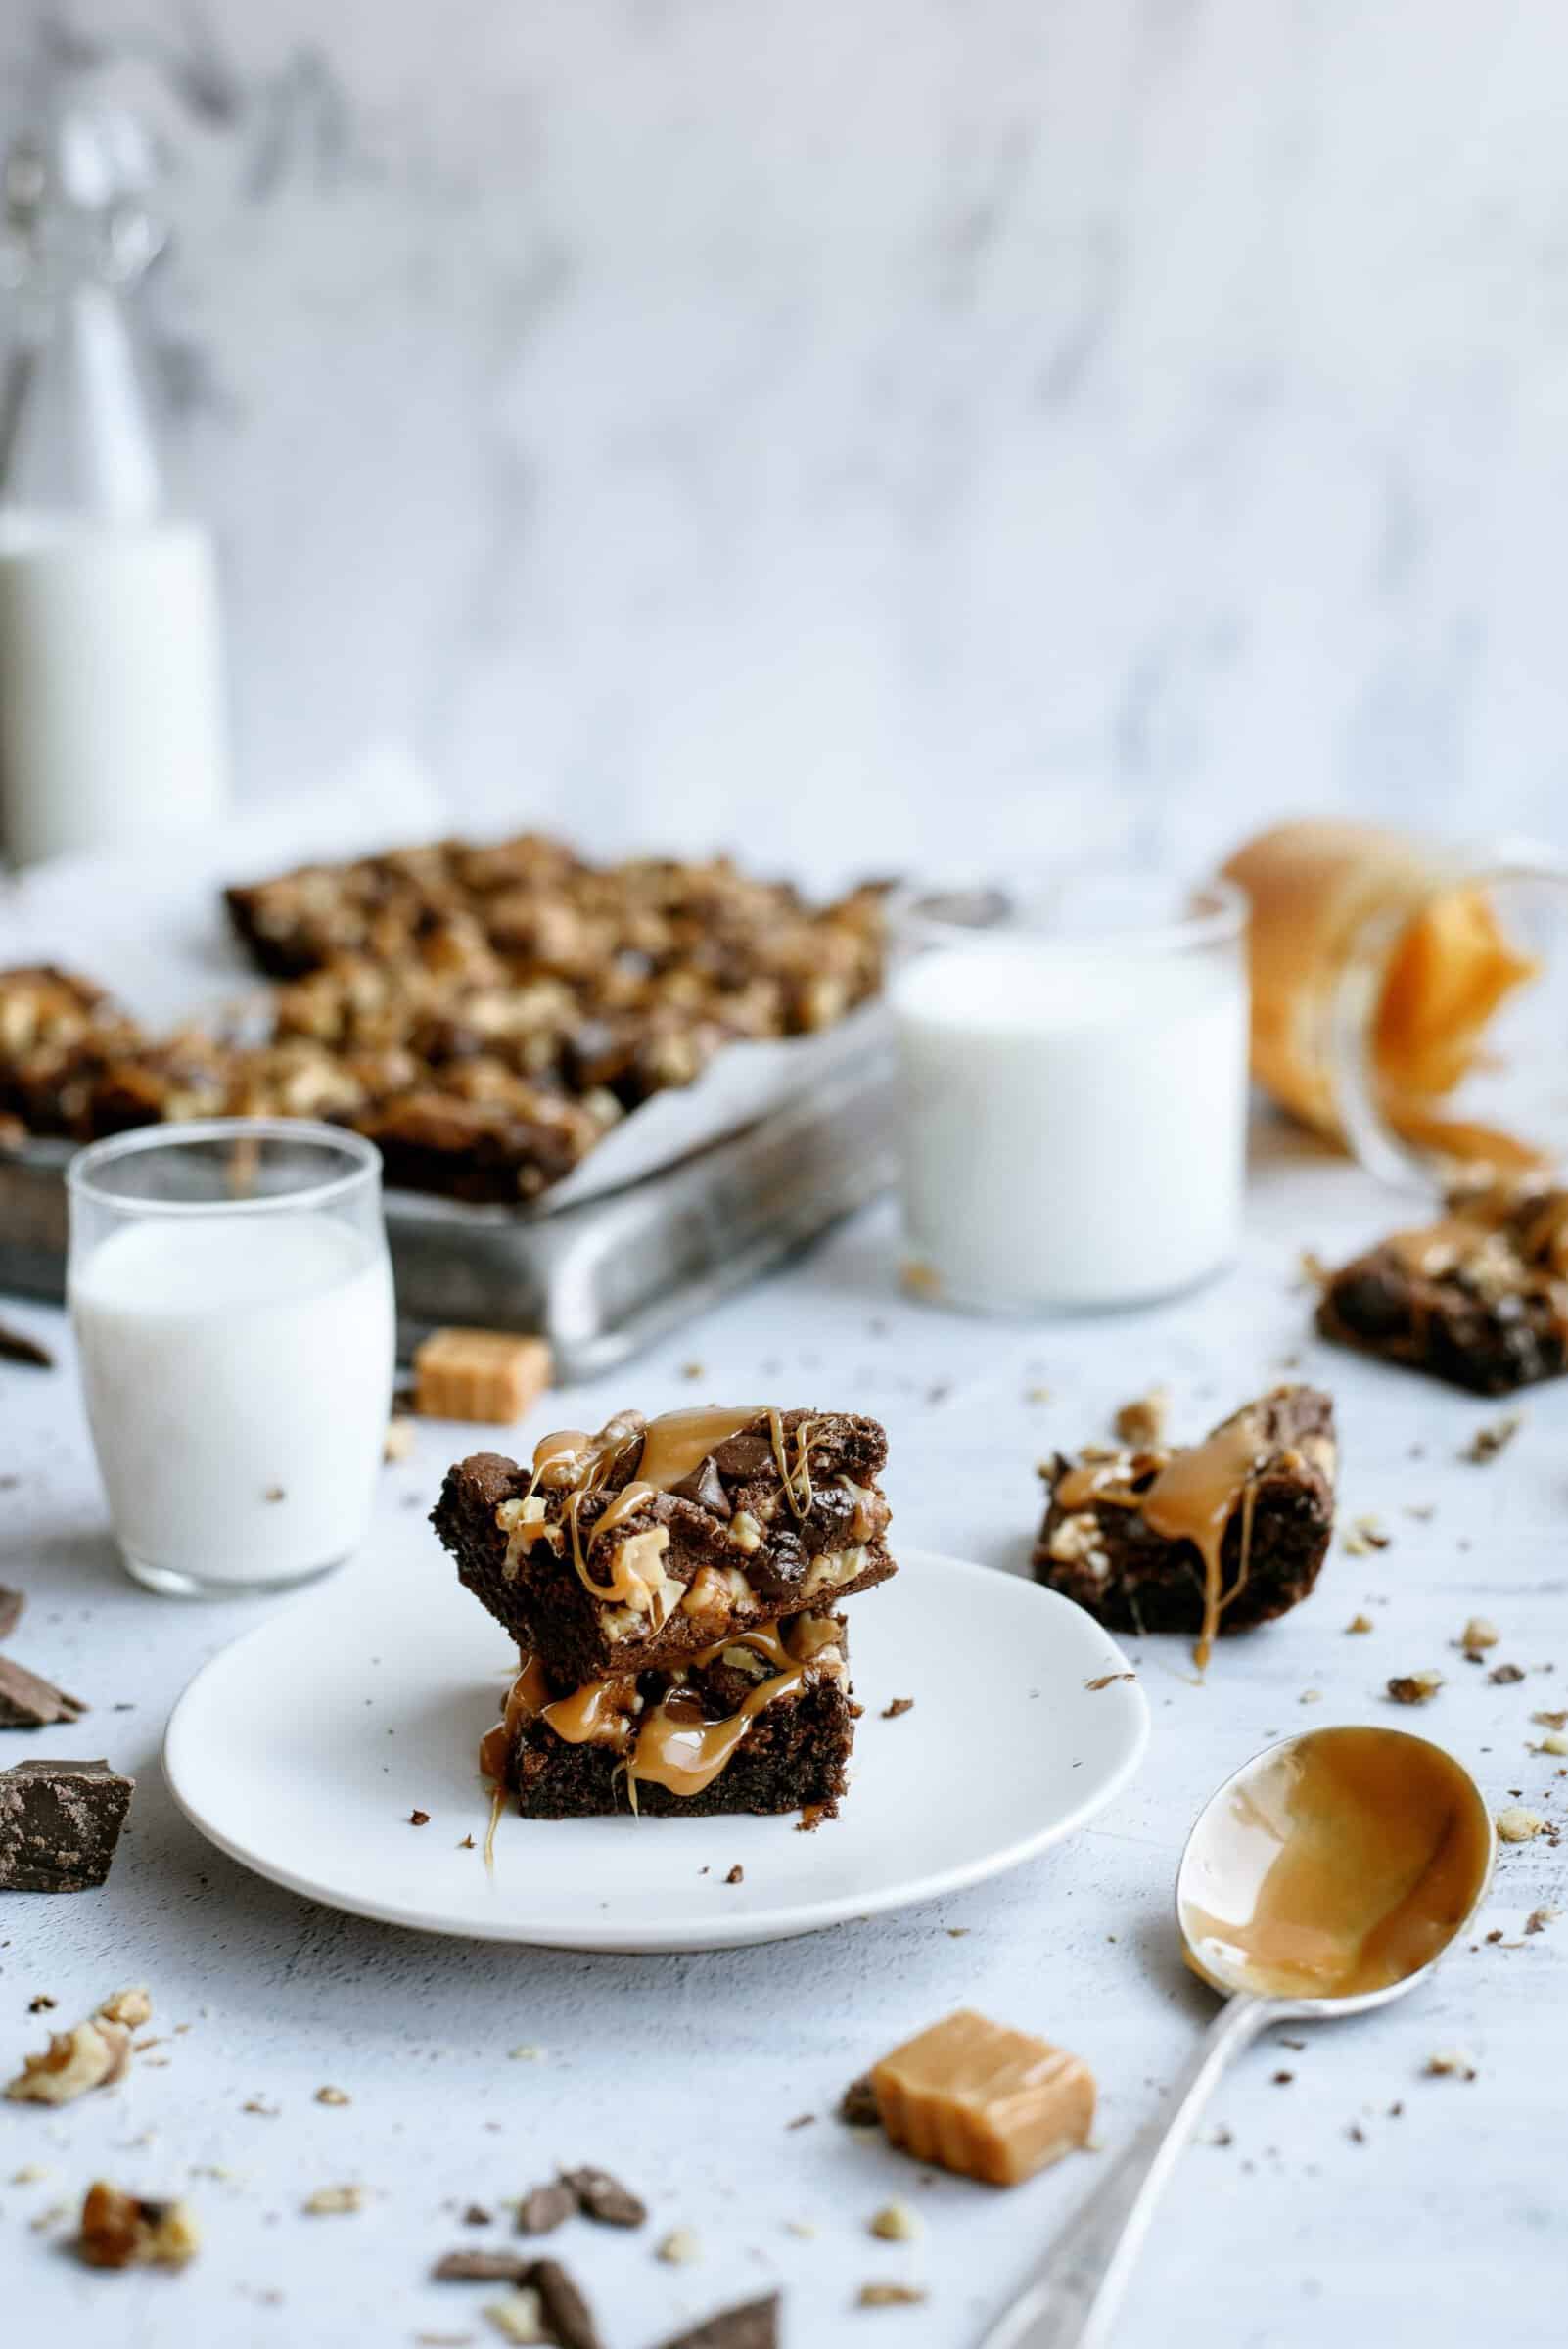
(232, 1301)
(1072, 1067)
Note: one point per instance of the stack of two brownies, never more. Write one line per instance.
(670, 1584)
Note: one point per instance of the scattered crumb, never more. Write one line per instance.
(1551, 1720)
(1452, 2064)
(801, 2227)
(1516, 1824)
(399, 1439)
(268, 2112)
(1284, 2079)
(524, 2054)
(331, 2096)
(960, 1932)
(467, 1844)
(419, 1818)
(1356, 2134)
(899, 1706)
(273, 1493)
(1361, 1622)
(681, 2248)
(1141, 1422)
(802, 2120)
(1365, 1534)
(1414, 1687)
(1539, 1918)
(118, 2230)
(520, 2317)
(895, 2223)
(1487, 1441)
(692, 1370)
(92, 2054)
(921, 1280)
(1477, 1635)
(737, 1874)
(858, 2107)
(477, 2215)
(1036, 1394)
(41, 2003)
(1106, 1679)
(890, 2295)
(1311, 1272)
(1553, 1743)
(29, 2173)
(1503, 1676)
(1311, 1697)
(334, 2201)
(1221, 2136)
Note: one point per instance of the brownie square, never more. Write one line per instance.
(636, 1548)
(1479, 1299)
(1267, 1477)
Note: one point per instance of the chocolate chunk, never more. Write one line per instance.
(741, 1455)
(749, 2324)
(58, 1824)
(858, 2107)
(706, 1487)
(543, 2208)
(27, 1702)
(12, 1603)
(17, 1346)
(481, 2267)
(603, 2198)
(477, 2215)
(563, 2307)
(779, 1570)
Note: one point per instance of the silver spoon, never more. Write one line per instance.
(1325, 1879)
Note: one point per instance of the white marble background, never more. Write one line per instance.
(916, 429)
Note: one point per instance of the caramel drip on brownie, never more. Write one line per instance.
(679, 1749)
(589, 1716)
(679, 1442)
(529, 1694)
(1192, 1499)
(801, 1469)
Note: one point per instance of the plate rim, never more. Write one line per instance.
(746, 1927)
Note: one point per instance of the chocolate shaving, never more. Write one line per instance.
(604, 2198)
(565, 2311)
(12, 1603)
(27, 1702)
(749, 2325)
(544, 2207)
(17, 1346)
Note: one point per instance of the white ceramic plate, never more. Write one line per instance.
(302, 1750)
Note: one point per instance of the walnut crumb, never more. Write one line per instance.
(419, 1818)
(399, 1439)
(1311, 1697)
(1539, 1918)
(331, 2096)
(41, 2003)
(1477, 1635)
(1141, 1422)
(1361, 1622)
(1556, 1741)
(1487, 1441)
(680, 2248)
(899, 1706)
(1452, 2064)
(1414, 1687)
(1503, 1676)
(334, 2201)
(895, 2223)
(520, 2317)
(1366, 1533)
(119, 2231)
(736, 1875)
(1516, 1824)
(802, 2228)
(890, 2295)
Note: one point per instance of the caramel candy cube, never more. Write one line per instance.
(486, 1374)
(984, 2100)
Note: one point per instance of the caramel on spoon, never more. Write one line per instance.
(1326, 1877)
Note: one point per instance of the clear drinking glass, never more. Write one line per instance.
(1073, 1066)
(231, 1295)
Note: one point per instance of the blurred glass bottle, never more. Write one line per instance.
(111, 701)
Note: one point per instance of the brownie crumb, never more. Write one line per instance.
(857, 2106)
(120, 2231)
(1487, 1441)
(736, 1875)
(477, 2215)
(750, 2325)
(543, 2208)
(481, 2267)
(566, 2312)
(890, 2295)
(1361, 1622)
(604, 2198)
(899, 1706)
(802, 2120)
(419, 1818)
(1414, 1687)
(1503, 1676)
(17, 1346)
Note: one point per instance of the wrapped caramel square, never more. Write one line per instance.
(983, 2100)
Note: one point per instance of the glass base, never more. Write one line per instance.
(930, 1287)
(171, 1582)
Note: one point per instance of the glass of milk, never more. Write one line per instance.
(1073, 1065)
(232, 1301)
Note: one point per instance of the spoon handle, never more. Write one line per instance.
(1071, 2301)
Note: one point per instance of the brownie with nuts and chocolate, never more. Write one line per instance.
(761, 1722)
(1205, 1539)
(1479, 1297)
(636, 1548)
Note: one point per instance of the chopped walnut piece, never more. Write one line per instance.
(119, 2231)
(1452, 2064)
(1556, 1741)
(1539, 1918)
(1414, 1687)
(899, 1706)
(129, 2007)
(520, 2317)
(736, 1875)
(1487, 1441)
(680, 2248)
(1516, 1824)
(1477, 1635)
(1141, 1422)
(895, 2223)
(543, 2208)
(1365, 1534)
(890, 2295)
(335, 2201)
(93, 2054)
(1361, 1622)
(331, 2096)
(1503, 1676)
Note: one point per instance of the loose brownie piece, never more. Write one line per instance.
(30, 1702)
(749, 2324)
(628, 1550)
(58, 1824)
(1214, 1537)
(1479, 1297)
(763, 1722)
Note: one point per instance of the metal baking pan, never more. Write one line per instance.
(603, 1277)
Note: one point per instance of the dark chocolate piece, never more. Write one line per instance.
(60, 1822)
(17, 1346)
(749, 2324)
(481, 2267)
(563, 2307)
(1478, 1300)
(1274, 1465)
(821, 1536)
(27, 1702)
(857, 2106)
(543, 2208)
(12, 1603)
(603, 2198)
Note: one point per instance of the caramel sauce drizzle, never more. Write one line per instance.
(673, 1446)
(679, 1749)
(801, 1469)
(1191, 1499)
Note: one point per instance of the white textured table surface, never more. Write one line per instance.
(1332, 2205)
